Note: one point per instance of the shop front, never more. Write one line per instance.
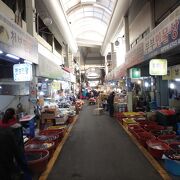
(161, 44)
(164, 43)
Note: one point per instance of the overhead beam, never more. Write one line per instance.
(119, 12)
(57, 13)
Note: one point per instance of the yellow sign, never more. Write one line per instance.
(158, 67)
(56, 85)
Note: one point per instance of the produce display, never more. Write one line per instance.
(46, 137)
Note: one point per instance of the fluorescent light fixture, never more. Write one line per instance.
(1, 52)
(12, 56)
(177, 79)
(28, 62)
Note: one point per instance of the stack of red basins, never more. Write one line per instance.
(141, 135)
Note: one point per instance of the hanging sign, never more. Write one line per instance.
(164, 37)
(158, 67)
(135, 73)
(22, 72)
(15, 41)
(56, 85)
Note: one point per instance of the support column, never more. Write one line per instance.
(33, 91)
(30, 17)
(106, 63)
(126, 26)
(53, 44)
(113, 56)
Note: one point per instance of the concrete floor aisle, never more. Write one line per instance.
(99, 149)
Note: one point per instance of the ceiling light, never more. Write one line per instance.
(177, 79)
(12, 56)
(1, 52)
(46, 79)
(172, 86)
(47, 21)
(0, 87)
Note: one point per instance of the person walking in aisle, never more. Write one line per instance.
(110, 102)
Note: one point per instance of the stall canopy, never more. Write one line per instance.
(48, 69)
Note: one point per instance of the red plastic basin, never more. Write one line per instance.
(170, 140)
(136, 131)
(167, 112)
(131, 127)
(47, 138)
(175, 146)
(37, 160)
(151, 127)
(146, 122)
(143, 137)
(163, 134)
(59, 132)
(37, 145)
(157, 148)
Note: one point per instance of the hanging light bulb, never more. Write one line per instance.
(172, 86)
(146, 84)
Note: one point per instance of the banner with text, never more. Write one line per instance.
(15, 41)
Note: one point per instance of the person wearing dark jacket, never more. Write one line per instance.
(10, 155)
(13, 165)
(110, 102)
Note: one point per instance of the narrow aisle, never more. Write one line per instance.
(99, 149)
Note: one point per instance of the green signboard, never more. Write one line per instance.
(135, 73)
